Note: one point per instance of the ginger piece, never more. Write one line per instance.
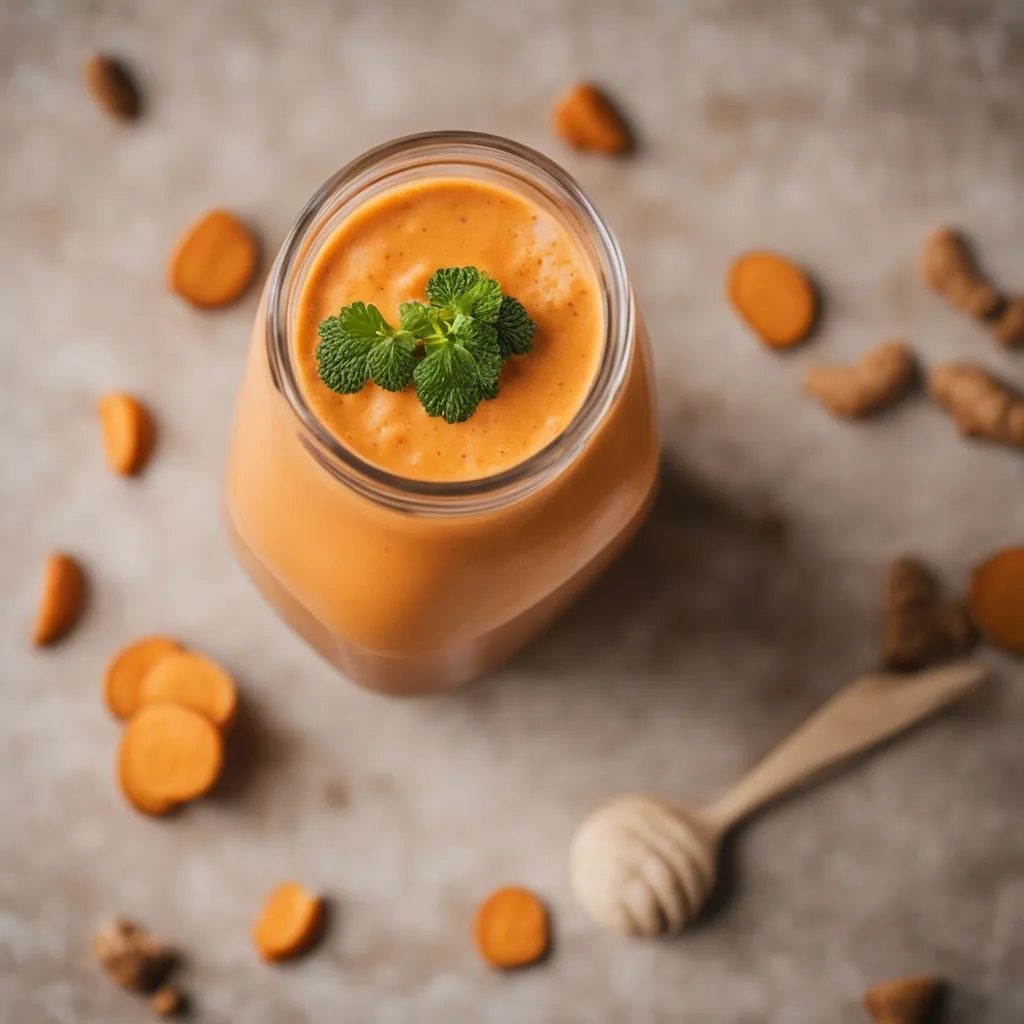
(214, 261)
(168, 755)
(130, 955)
(910, 1000)
(289, 923)
(996, 599)
(166, 1001)
(62, 600)
(586, 119)
(919, 628)
(774, 297)
(128, 433)
(122, 682)
(948, 268)
(1008, 326)
(979, 404)
(880, 378)
(512, 928)
(193, 681)
(112, 87)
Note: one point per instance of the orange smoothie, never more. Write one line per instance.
(413, 553)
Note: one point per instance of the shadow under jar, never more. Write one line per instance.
(413, 554)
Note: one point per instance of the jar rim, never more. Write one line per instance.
(487, 493)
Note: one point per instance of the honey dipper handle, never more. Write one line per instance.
(866, 712)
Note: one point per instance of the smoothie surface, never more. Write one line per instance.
(384, 253)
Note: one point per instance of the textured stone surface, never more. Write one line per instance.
(838, 131)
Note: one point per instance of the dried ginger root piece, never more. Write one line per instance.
(128, 433)
(62, 600)
(214, 261)
(193, 681)
(512, 928)
(289, 922)
(169, 755)
(919, 628)
(130, 955)
(978, 403)
(909, 1000)
(880, 378)
(112, 87)
(996, 599)
(1008, 326)
(586, 119)
(774, 297)
(122, 682)
(948, 268)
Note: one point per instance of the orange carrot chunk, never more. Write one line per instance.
(128, 433)
(193, 681)
(62, 600)
(774, 297)
(512, 928)
(214, 261)
(996, 599)
(169, 754)
(586, 119)
(289, 922)
(122, 682)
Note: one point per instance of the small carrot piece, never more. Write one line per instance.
(193, 681)
(774, 297)
(512, 929)
(214, 261)
(169, 754)
(996, 599)
(140, 798)
(128, 433)
(122, 682)
(62, 601)
(289, 922)
(586, 119)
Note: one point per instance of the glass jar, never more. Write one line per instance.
(412, 586)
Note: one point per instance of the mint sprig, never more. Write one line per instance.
(452, 349)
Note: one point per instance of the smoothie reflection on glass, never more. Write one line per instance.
(413, 553)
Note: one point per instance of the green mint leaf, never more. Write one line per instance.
(448, 383)
(415, 318)
(392, 360)
(515, 328)
(448, 284)
(482, 300)
(364, 322)
(341, 357)
(481, 341)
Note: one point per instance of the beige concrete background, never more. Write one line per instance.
(837, 131)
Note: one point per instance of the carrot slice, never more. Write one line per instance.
(141, 799)
(512, 928)
(62, 601)
(289, 922)
(996, 599)
(169, 754)
(122, 682)
(193, 681)
(774, 296)
(214, 261)
(587, 119)
(128, 433)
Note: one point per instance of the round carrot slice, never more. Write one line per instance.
(996, 599)
(122, 683)
(214, 261)
(140, 799)
(128, 433)
(511, 928)
(193, 681)
(62, 600)
(774, 296)
(289, 922)
(169, 754)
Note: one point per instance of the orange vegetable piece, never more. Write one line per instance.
(140, 798)
(586, 119)
(289, 922)
(62, 601)
(122, 682)
(128, 433)
(996, 599)
(214, 261)
(169, 754)
(512, 928)
(774, 296)
(193, 681)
